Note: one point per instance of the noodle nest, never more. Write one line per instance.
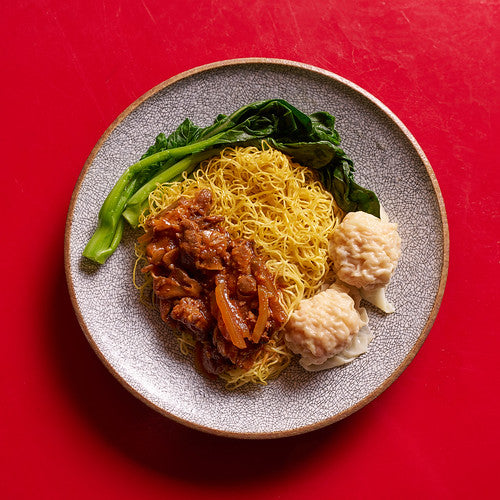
(279, 205)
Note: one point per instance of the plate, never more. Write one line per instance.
(133, 342)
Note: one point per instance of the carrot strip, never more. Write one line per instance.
(260, 325)
(235, 325)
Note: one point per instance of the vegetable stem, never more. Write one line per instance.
(99, 247)
(135, 204)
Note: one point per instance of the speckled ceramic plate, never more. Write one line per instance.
(132, 340)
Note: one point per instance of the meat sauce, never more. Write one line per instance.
(212, 286)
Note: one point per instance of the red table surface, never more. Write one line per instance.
(69, 430)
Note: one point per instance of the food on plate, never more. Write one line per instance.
(258, 243)
(365, 251)
(327, 325)
(331, 329)
(278, 206)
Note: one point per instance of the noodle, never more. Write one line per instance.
(272, 359)
(146, 287)
(284, 210)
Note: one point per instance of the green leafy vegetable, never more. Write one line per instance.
(310, 139)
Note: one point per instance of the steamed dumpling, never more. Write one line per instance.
(322, 327)
(365, 250)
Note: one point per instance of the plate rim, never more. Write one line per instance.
(444, 265)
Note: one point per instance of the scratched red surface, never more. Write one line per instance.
(68, 430)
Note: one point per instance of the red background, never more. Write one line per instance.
(68, 429)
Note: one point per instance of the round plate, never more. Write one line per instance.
(132, 340)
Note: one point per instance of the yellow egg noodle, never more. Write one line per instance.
(279, 205)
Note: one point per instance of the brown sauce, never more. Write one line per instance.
(212, 286)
